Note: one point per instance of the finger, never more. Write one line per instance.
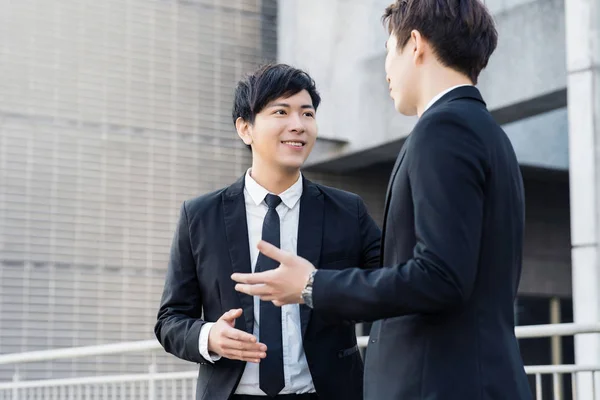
(259, 277)
(232, 315)
(254, 290)
(250, 356)
(236, 334)
(232, 344)
(235, 357)
(281, 256)
(231, 349)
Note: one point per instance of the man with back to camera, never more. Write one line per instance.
(453, 226)
(250, 349)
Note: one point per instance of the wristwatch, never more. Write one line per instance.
(308, 290)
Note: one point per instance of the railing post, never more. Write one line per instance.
(556, 348)
(538, 387)
(15, 390)
(556, 386)
(152, 378)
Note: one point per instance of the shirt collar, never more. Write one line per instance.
(258, 193)
(440, 95)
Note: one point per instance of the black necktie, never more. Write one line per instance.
(271, 379)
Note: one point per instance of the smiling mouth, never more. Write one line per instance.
(294, 143)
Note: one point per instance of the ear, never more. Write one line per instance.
(244, 130)
(417, 46)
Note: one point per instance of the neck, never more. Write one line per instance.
(275, 180)
(436, 83)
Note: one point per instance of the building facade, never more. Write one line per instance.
(111, 114)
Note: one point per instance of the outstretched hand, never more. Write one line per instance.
(282, 285)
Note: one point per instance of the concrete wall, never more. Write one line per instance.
(583, 61)
(341, 43)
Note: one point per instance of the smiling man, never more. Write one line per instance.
(250, 349)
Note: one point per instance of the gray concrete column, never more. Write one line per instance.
(583, 85)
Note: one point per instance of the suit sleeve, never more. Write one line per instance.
(179, 320)
(446, 169)
(370, 237)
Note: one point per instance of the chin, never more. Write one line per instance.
(406, 110)
(403, 108)
(291, 164)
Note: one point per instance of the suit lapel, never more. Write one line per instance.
(394, 172)
(236, 229)
(310, 234)
(388, 193)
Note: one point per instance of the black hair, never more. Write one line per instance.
(462, 32)
(268, 83)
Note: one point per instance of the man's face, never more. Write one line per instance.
(284, 131)
(401, 75)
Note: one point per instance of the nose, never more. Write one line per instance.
(296, 124)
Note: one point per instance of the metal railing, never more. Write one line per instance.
(155, 385)
(557, 371)
(582, 377)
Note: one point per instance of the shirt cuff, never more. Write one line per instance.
(203, 343)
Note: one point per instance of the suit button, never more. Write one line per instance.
(373, 340)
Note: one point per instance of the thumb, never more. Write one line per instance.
(231, 315)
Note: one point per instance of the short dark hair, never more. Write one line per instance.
(268, 83)
(462, 32)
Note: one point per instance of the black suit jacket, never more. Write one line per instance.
(211, 242)
(452, 244)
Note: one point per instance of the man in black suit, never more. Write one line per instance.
(453, 228)
(250, 349)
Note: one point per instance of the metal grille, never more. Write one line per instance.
(111, 114)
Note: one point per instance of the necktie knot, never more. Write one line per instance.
(272, 200)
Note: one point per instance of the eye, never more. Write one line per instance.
(279, 112)
(310, 114)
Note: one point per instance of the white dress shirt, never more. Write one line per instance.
(439, 96)
(295, 367)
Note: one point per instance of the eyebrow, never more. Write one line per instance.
(288, 106)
